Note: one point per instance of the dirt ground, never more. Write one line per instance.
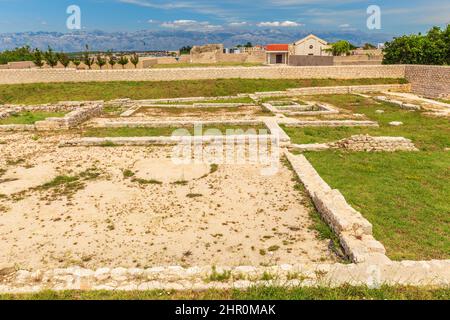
(132, 207)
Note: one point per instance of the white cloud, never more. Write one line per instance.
(345, 25)
(238, 24)
(191, 25)
(279, 24)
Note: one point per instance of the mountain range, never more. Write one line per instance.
(172, 40)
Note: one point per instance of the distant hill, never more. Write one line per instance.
(171, 40)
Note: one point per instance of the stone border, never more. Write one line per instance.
(131, 111)
(290, 110)
(406, 273)
(329, 123)
(362, 143)
(353, 230)
(401, 104)
(334, 90)
(129, 102)
(102, 123)
(172, 140)
(276, 134)
(79, 113)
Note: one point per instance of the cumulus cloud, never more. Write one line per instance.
(191, 25)
(238, 24)
(279, 24)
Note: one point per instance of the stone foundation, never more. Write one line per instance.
(374, 144)
(406, 273)
(80, 112)
(335, 90)
(353, 230)
(329, 123)
(401, 104)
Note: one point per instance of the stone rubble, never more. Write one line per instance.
(374, 144)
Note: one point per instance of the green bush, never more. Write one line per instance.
(432, 48)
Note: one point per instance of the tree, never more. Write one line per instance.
(76, 62)
(248, 45)
(112, 60)
(63, 59)
(101, 60)
(18, 54)
(432, 48)
(185, 50)
(51, 57)
(87, 60)
(134, 59)
(38, 58)
(123, 61)
(340, 48)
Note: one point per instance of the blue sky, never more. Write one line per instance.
(398, 17)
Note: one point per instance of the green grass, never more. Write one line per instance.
(54, 92)
(255, 293)
(403, 194)
(205, 65)
(157, 132)
(28, 117)
(428, 133)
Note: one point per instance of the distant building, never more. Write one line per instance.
(311, 46)
(308, 46)
(277, 53)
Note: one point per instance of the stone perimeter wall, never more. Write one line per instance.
(20, 76)
(429, 81)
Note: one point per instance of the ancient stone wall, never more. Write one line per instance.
(79, 113)
(264, 72)
(414, 273)
(429, 81)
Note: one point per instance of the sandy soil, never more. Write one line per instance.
(231, 216)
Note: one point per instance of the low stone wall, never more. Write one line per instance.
(172, 140)
(328, 123)
(72, 119)
(406, 273)
(20, 76)
(374, 144)
(118, 123)
(296, 109)
(401, 104)
(353, 230)
(335, 90)
(429, 81)
(80, 112)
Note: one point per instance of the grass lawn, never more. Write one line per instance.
(428, 133)
(256, 293)
(203, 65)
(404, 194)
(157, 132)
(54, 92)
(30, 117)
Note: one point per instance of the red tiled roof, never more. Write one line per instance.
(277, 47)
